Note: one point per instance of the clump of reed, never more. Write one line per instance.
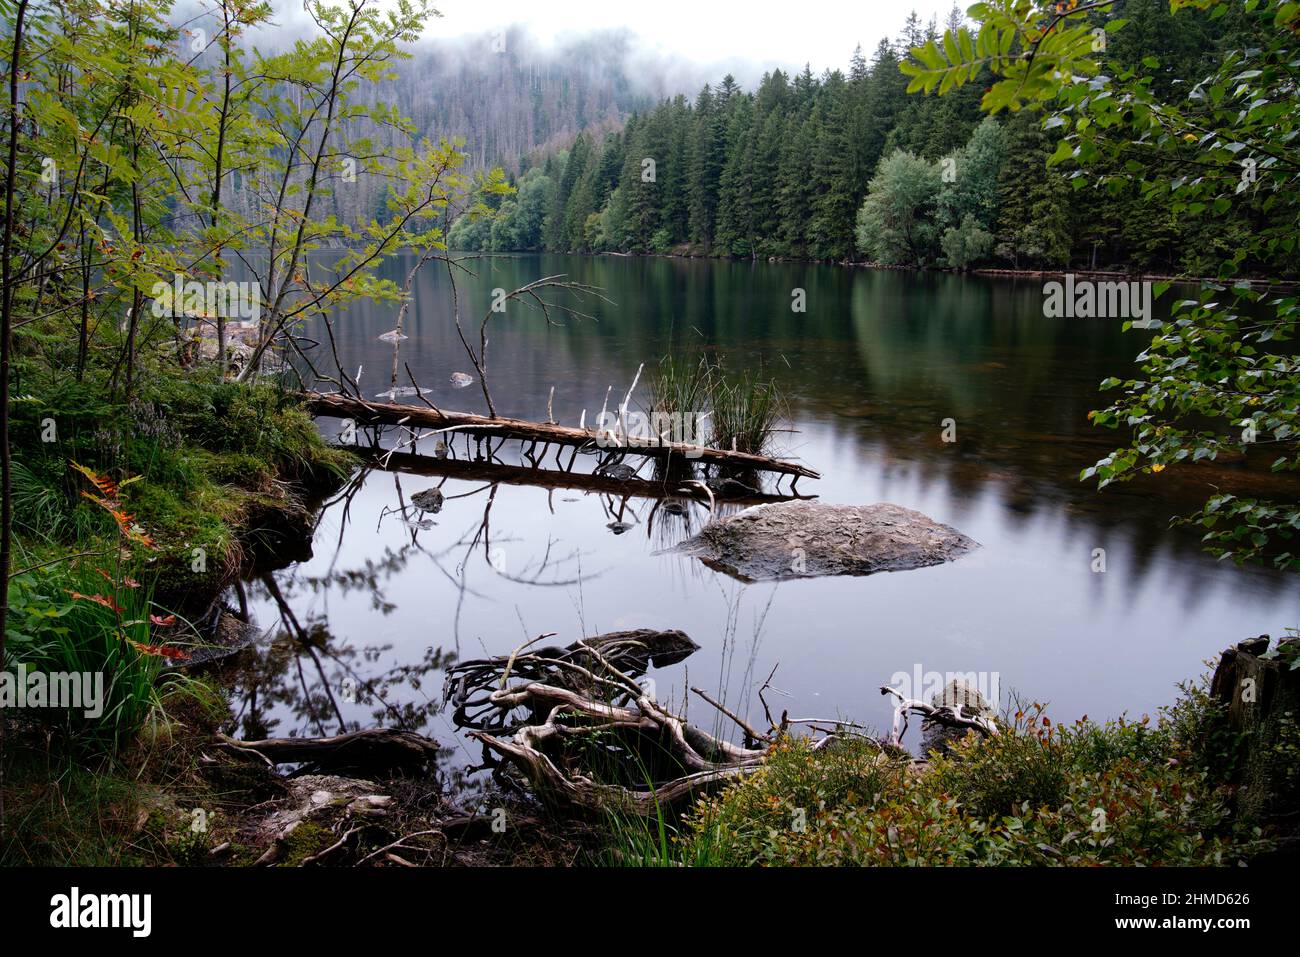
(746, 411)
(681, 389)
(743, 409)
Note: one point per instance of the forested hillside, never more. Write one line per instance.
(501, 94)
(850, 166)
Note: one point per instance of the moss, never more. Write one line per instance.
(242, 470)
(306, 839)
(242, 855)
(196, 539)
(225, 470)
(210, 473)
(98, 815)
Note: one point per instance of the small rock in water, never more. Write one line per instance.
(459, 380)
(618, 528)
(422, 524)
(392, 335)
(674, 506)
(620, 472)
(430, 500)
(729, 486)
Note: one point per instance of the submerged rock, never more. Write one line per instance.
(222, 635)
(401, 392)
(618, 472)
(785, 540)
(430, 500)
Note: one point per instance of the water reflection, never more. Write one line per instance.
(871, 372)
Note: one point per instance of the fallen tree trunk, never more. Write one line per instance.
(495, 472)
(388, 413)
(374, 749)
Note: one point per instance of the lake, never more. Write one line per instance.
(869, 372)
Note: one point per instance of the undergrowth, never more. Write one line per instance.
(1116, 793)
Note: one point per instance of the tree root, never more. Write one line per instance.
(586, 737)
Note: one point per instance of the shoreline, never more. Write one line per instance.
(1044, 273)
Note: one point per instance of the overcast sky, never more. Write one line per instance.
(790, 33)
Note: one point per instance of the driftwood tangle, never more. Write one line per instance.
(586, 736)
(469, 685)
(388, 413)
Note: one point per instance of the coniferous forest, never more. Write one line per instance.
(847, 166)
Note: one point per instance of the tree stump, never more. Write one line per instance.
(1262, 696)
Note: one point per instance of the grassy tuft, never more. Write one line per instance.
(746, 412)
(743, 410)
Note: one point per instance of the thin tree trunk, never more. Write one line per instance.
(309, 195)
(223, 119)
(6, 329)
(83, 329)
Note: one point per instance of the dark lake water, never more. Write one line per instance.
(869, 371)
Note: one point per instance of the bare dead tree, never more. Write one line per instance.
(532, 294)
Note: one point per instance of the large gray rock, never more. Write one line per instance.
(786, 540)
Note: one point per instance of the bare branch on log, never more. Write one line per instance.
(750, 733)
(949, 716)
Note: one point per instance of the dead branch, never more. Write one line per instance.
(750, 733)
(530, 294)
(606, 663)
